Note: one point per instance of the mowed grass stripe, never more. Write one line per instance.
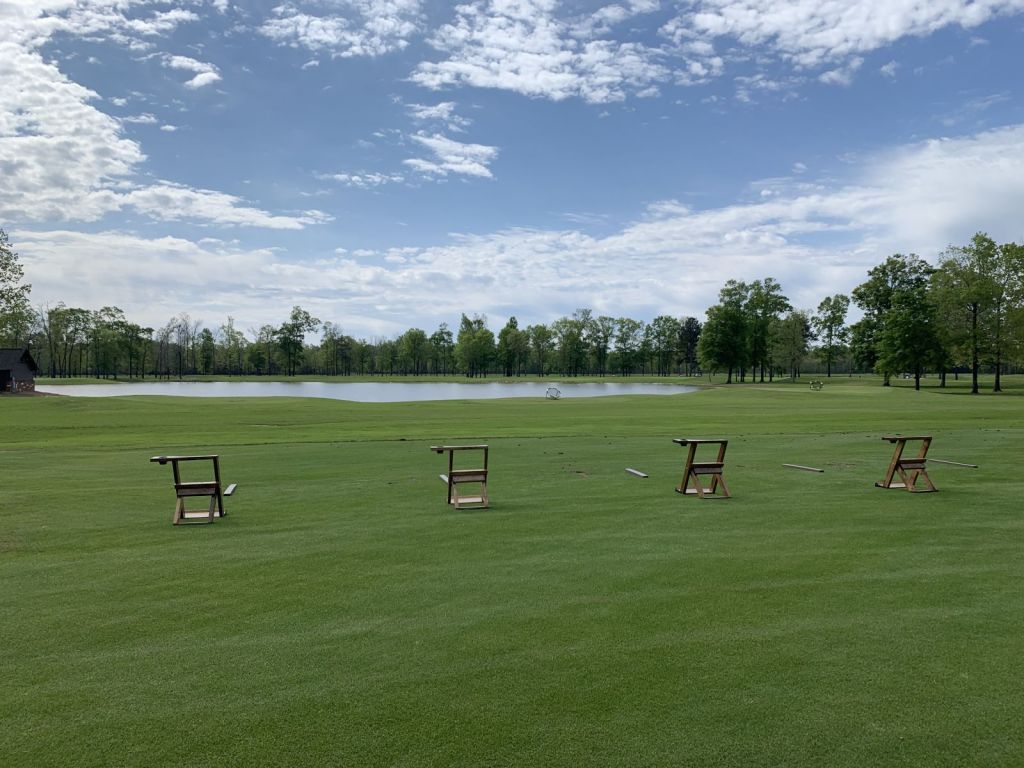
(343, 615)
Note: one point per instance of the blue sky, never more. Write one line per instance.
(389, 164)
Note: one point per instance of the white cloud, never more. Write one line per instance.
(30, 23)
(152, 280)
(747, 86)
(363, 180)
(186, 63)
(842, 75)
(524, 47)
(59, 155)
(813, 34)
(61, 158)
(143, 119)
(174, 202)
(206, 74)
(450, 156)
(889, 70)
(360, 28)
(816, 239)
(201, 80)
(443, 113)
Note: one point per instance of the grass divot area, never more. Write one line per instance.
(343, 614)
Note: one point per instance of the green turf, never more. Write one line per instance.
(342, 615)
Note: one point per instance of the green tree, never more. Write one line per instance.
(413, 351)
(689, 337)
(474, 348)
(599, 336)
(909, 340)
(725, 338)
(965, 290)
(207, 351)
(15, 311)
(135, 343)
(164, 353)
(570, 342)
(291, 335)
(513, 348)
(1012, 266)
(830, 325)
(260, 352)
(791, 338)
(1008, 299)
(664, 339)
(105, 341)
(337, 350)
(233, 343)
(65, 330)
(629, 336)
(979, 289)
(443, 345)
(386, 357)
(542, 344)
(362, 356)
(764, 303)
(874, 297)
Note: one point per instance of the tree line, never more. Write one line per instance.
(964, 315)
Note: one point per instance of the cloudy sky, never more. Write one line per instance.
(393, 163)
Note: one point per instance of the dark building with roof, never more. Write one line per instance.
(17, 370)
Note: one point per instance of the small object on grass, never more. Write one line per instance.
(801, 466)
(909, 470)
(457, 477)
(552, 393)
(636, 472)
(954, 463)
(816, 385)
(694, 470)
(185, 490)
(230, 489)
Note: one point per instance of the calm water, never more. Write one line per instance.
(363, 392)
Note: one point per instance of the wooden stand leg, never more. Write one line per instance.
(684, 486)
(693, 469)
(720, 481)
(909, 470)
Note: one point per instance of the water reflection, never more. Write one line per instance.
(365, 392)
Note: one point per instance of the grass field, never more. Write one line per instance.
(342, 615)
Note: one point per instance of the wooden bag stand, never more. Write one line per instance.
(182, 491)
(909, 470)
(694, 470)
(458, 477)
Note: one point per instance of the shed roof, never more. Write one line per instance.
(12, 356)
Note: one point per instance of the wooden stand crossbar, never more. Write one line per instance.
(186, 490)
(694, 470)
(910, 470)
(457, 477)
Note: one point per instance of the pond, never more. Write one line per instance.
(365, 392)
